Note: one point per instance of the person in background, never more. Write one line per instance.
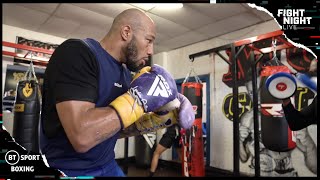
(170, 138)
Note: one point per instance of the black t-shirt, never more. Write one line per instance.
(71, 74)
(301, 119)
(80, 70)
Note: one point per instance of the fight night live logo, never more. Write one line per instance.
(292, 18)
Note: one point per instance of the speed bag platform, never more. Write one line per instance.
(26, 115)
(193, 152)
(276, 134)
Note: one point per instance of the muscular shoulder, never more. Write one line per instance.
(72, 52)
(72, 43)
(72, 71)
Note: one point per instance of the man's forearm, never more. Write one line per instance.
(129, 131)
(105, 123)
(296, 119)
(87, 126)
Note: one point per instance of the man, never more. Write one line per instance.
(298, 120)
(169, 138)
(89, 96)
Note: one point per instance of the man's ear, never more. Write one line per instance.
(126, 32)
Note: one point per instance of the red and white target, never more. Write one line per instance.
(281, 85)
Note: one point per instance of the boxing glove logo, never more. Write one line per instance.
(27, 90)
(160, 87)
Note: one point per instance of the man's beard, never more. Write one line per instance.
(131, 56)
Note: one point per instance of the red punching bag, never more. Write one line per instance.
(275, 132)
(192, 140)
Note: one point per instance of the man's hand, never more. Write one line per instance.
(151, 89)
(151, 122)
(286, 101)
(186, 112)
(184, 116)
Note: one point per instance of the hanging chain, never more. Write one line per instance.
(30, 72)
(192, 70)
(275, 58)
(274, 44)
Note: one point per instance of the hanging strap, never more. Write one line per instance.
(30, 74)
(192, 71)
(274, 61)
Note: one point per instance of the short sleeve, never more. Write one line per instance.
(75, 72)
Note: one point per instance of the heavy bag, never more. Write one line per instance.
(186, 156)
(194, 145)
(27, 111)
(275, 132)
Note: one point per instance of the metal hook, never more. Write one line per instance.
(274, 43)
(275, 58)
(191, 64)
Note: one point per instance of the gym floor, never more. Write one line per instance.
(134, 171)
(165, 169)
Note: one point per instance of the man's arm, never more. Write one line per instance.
(85, 125)
(150, 122)
(298, 119)
(129, 131)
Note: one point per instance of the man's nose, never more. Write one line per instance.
(150, 50)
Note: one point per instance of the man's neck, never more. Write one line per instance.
(112, 47)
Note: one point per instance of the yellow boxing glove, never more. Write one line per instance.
(151, 121)
(152, 89)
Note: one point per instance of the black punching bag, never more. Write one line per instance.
(26, 115)
(275, 132)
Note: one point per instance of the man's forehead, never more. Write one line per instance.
(149, 30)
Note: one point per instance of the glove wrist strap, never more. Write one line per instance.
(128, 110)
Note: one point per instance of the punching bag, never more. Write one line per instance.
(193, 151)
(26, 113)
(275, 132)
